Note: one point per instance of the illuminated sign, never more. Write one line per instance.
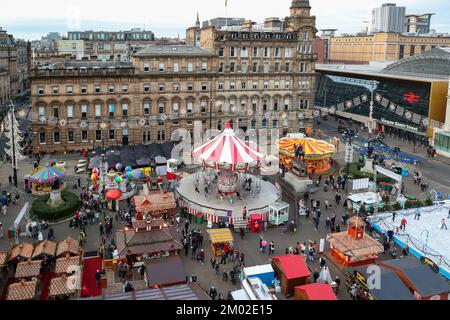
(411, 97)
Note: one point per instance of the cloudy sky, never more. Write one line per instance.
(169, 18)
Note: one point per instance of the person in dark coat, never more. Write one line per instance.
(98, 277)
(213, 293)
(316, 275)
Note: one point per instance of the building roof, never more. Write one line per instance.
(347, 245)
(23, 250)
(220, 235)
(45, 247)
(24, 290)
(185, 292)
(165, 271)
(293, 266)
(318, 291)
(173, 50)
(155, 201)
(28, 269)
(69, 245)
(391, 287)
(66, 265)
(427, 282)
(58, 286)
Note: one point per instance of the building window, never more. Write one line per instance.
(176, 87)
(266, 85)
(204, 87)
(253, 124)
(265, 104)
(288, 53)
(286, 104)
(221, 67)
(244, 67)
(277, 67)
(264, 124)
(220, 86)
(55, 89)
(98, 89)
(255, 85)
(190, 67)
(244, 52)
(146, 67)
(190, 107)
(255, 52)
(204, 66)
(125, 109)
(176, 67)
(56, 112)
(111, 88)
(98, 110)
(40, 91)
(161, 108)
(56, 137)
(190, 87)
(69, 89)
(203, 106)
(232, 85)
(124, 88)
(41, 111)
(277, 85)
(287, 84)
(146, 88)
(275, 104)
(146, 136)
(255, 67)
(221, 51)
(232, 52)
(70, 137)
(83, 89)
(42, 137)
(266, 52)
(84, 136)
(161, 67)
(243, 85)
(161, 87)
(266, 68)
(161, 135)
(70, 111)
(146, 109)
(412, 51)
(275, 124)
(84, 111)
(112, 135)
(232, 67)
(175, 106)
(111, 109)
(303, 104)
(277, 53)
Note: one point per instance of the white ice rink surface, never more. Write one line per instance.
(417, 231)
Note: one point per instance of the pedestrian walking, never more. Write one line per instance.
(271, 248)
(443, 224)
(417, 214)
(403, 224)
(224, 258)
(326, 203)
(98, 278)
(393, 216)
(217, 269)
(213, 293)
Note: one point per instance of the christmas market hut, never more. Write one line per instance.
(23, 290)
(221, 239)
(154, 204)
(28, 269)
(354, 247)
(68, 246)
(64, 286)
(292, 271)
(67, 265)
(21, 252)
(44, 248)
(165, 272)
(421, 278)
(315, 291)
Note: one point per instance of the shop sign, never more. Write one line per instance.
(399, 125)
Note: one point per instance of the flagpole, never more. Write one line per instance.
(226, 14)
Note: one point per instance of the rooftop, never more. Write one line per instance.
(173, 50)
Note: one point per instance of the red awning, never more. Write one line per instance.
(293, 266)
(113, 194)
(318, 291)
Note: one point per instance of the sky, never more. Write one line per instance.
(30, 20)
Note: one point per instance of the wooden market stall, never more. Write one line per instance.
(292, 271)
(154, 204)
(44, 248)
(28, 269)
(68, 246)
(354, 247)
(21, 252)
(315, 291)
(24, 290)
(63, 286)
(220, 240)
(3, 258)
(67, 265)
(165, 272)
(423, 281)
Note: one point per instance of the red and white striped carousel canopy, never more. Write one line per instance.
(227, 148)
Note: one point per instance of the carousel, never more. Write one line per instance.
(229, 183)
(317, 154)
(44, 180)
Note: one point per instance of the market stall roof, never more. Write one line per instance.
(28, 269)
(318, 291)
(3, 258)
(146, 242)
(128, 156)
(95, 162)
(58, 287)
(220, 235)
(293, 266)
(68, 246)
(427, 282)
(23, 250)
(167, 148)
(45, 247)
(392, 288)
(155, 201)
(227, 148)
(24, 290)
(67, 264)
(312, 148)
(347, 245)
(46, 174)
(166, 271)
(186, 292)
(113, 158)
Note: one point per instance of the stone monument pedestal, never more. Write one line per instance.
(55, 198)
(300, 184)
(368, 167)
